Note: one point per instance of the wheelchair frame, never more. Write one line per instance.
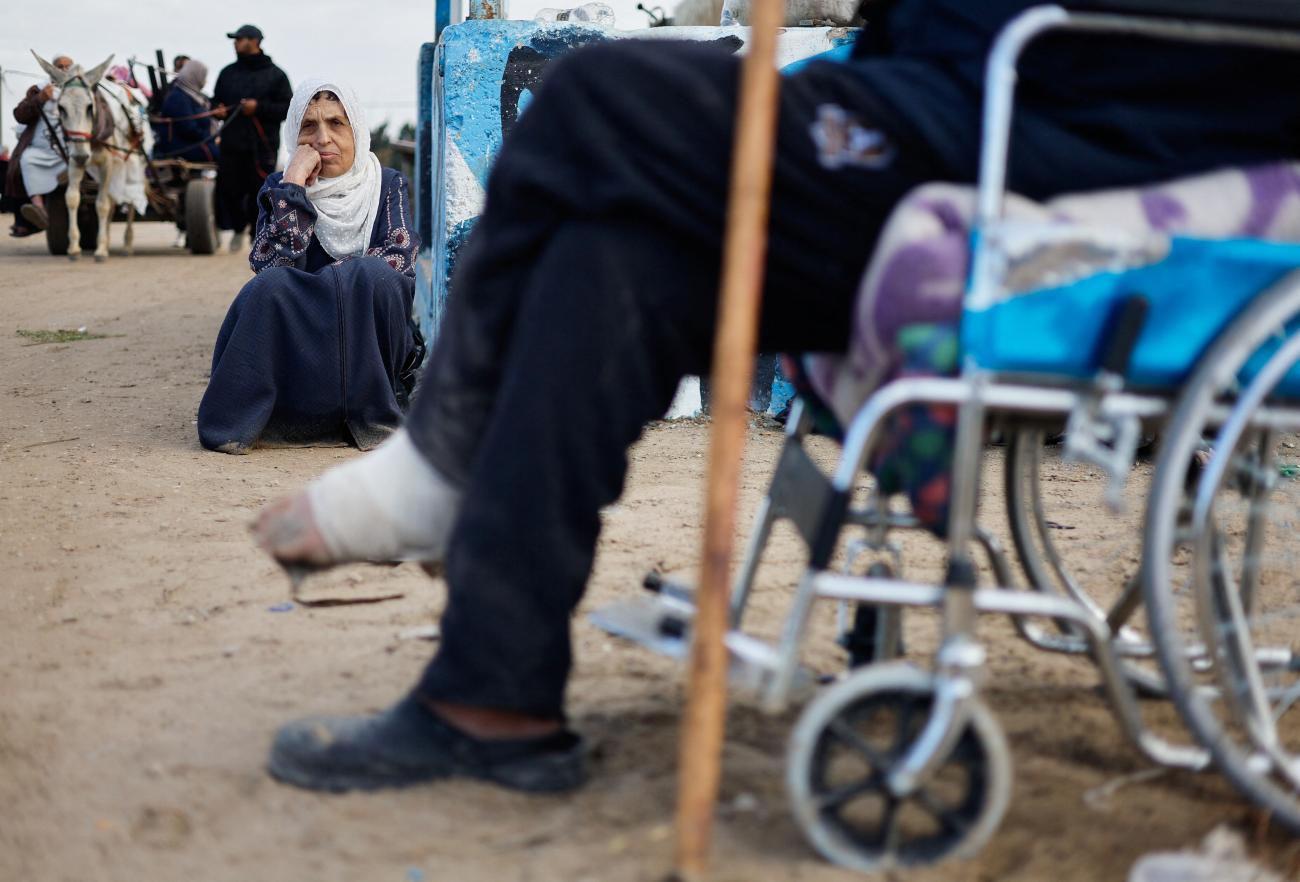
(1105, 422)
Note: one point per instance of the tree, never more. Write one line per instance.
(389, 152)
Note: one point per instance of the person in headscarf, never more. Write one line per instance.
(40, 157)
(320, 347)
(122, 73)
(184, 132)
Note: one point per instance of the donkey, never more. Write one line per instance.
(101, 135)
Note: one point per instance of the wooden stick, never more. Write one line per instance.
(700, 743)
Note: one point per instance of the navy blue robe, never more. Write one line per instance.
(179, 136)
(316, 350)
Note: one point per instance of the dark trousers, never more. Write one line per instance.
(240, 174)
(587, 290)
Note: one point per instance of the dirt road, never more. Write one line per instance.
(144, 663)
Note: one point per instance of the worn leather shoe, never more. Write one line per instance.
(408, 744)
(35, 215)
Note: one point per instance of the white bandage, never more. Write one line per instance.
(390, 504)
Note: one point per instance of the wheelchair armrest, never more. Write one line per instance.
(1120, 338)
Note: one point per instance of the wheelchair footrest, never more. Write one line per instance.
(662, 623)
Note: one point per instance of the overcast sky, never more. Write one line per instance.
(372, 45)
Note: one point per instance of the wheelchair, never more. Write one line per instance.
(1198, 343)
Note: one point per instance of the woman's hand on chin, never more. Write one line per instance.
(304, 166)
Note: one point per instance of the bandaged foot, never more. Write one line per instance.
(388, 505)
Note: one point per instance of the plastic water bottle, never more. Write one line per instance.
(588, 13)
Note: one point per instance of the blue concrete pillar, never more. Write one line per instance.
(423, 183)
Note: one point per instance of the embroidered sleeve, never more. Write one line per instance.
(398, 245)
(285, 223)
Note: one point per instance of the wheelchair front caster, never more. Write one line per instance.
(843, 749)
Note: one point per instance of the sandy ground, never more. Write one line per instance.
(143, 667)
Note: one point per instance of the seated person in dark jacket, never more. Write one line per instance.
(319, 347)
(588, 288)
(39, 160)
(186, 133)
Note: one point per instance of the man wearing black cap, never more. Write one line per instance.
(258, 93)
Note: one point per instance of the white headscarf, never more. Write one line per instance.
(346, 206)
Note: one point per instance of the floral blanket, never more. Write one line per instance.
(910, 302)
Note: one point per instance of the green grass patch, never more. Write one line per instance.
(61, 335)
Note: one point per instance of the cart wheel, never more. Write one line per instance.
(200, 218)
(845, 745)
(56, 234)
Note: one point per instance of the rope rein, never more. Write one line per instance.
(135, 136)
(170, 119)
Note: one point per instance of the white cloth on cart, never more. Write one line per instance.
(128, 186)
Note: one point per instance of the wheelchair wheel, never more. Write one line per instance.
(1223, 532)
(1069, 544)
(844, 746)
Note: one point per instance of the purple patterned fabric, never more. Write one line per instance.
(919, 271)
(1162, 211)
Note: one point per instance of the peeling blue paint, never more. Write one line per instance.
(481, 77)
(489, 65)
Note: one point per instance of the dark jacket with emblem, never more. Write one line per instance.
(1091, 111)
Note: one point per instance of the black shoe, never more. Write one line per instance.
(35, 216)
(408, 744)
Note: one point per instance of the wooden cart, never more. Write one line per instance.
(178, 191)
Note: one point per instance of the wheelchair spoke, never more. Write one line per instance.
(847, 736)
(1256, 521)
(945, 816)
(835, 799)
(890, 831)
(1234, 631)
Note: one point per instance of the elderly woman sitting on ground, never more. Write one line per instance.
(319, 347)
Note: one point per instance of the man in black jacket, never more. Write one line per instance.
(258, 92)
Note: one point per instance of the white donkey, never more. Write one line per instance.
(107, 136)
